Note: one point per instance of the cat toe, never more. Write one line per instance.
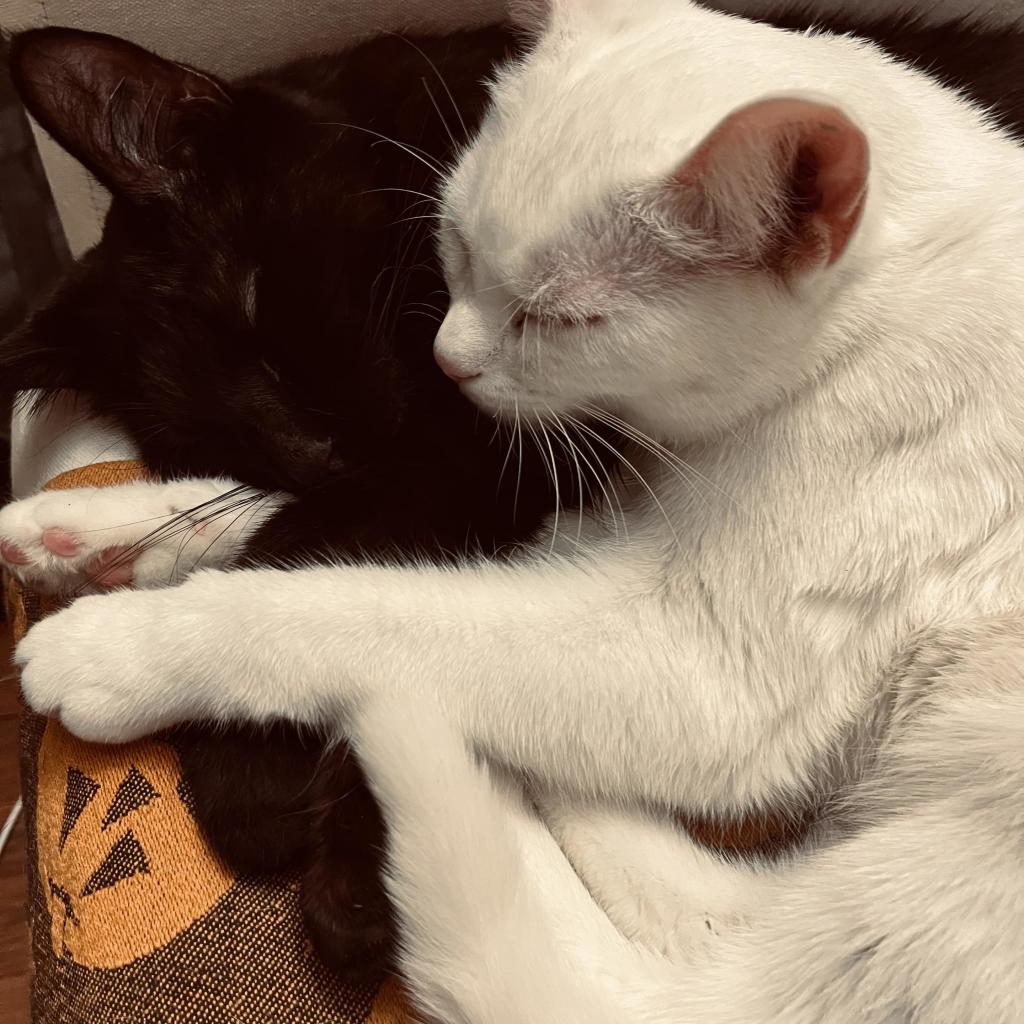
(356, 941)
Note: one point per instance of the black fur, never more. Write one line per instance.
(261, 306)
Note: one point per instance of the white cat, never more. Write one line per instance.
(796, 266)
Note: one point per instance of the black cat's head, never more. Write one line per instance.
(244, 312)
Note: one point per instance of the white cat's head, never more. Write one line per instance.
(652, 219)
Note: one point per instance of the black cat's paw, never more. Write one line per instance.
(250, 792)
(350, 923)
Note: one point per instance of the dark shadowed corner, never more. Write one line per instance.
(32, 253)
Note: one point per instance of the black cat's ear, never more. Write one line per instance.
(135, 120)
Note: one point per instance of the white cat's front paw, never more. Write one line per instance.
(95, 538)
(105, 667)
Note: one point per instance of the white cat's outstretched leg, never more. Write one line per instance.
(144, 533)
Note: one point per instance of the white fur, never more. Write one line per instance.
(169, 528)
(917, 917)
(842, 481)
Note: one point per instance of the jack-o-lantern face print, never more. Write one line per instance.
(121, 860)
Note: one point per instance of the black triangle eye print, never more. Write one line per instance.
(126, 858)
(78, 792)
(135, 791)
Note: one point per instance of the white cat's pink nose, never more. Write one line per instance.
(451, 369)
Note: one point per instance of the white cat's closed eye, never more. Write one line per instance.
(563, 321)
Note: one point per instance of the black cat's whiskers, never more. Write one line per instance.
(444, 85)
(428, 306)
(182, 523)
(176, 527)
(44, 403)
(385, 322)
(234, 492)
(441, 117)
(251, 507)
(419, 216)
(426, 197)
(414, 151)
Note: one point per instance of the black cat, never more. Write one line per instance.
(262, 305)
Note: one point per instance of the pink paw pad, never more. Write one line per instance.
(12, 554)
(59, 542)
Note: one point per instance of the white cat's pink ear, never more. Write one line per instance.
(781, 183)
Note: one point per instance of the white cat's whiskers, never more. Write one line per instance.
(519, 466)
(546, 452)
(537, 329)
(570, 450)
(678, 471)
(602, 481)
(666, 455)
(554, 479)
(494, 288)
(641, 479)
(508, 453)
